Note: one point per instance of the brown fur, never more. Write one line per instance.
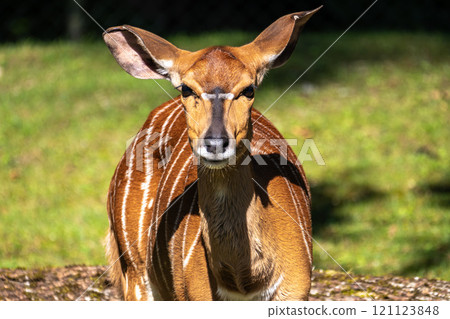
(202, 232)
(112, 254)
(198, 286)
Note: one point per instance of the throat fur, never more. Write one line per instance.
(231, 230)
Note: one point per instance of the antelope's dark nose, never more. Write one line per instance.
(216, 145)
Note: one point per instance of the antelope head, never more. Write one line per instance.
(217, 84)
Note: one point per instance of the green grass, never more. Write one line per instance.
(376, 105)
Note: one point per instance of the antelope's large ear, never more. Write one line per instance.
(276, 43)
(143, 54)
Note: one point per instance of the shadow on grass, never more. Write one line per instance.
(328, 198)
(427, 259)
(440, 192)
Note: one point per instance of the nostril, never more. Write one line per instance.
(225, 142)
(211, 148)
(216, 145)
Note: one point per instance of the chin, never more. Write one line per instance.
(213, 164)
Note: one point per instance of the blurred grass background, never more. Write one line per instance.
(376, 105)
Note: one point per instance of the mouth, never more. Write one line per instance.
(216, 160)
(214, 164)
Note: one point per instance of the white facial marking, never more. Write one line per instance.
(226, 154)
(225, 96)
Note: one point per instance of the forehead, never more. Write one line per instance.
(217, 67)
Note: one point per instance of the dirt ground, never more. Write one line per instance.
(90, 283)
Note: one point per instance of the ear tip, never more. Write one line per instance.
(299, 15)
(316, 9)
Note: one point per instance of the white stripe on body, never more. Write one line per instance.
(124, 205)
(194, 242)
(177, 219)
(297, 202)
(137, 292)
(186, 228)
(269, 129)
(113, 195)
(157, 209)
(126, 193)
(296, 205)
(180, 174)
(145, 206)
(292, 154)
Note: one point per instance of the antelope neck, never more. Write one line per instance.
(231, 228)
(225, 192)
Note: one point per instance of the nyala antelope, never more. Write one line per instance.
(222, 219)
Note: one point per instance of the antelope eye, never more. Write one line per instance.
(186, 91)
(249, 92)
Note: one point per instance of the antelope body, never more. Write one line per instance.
(195, 212)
